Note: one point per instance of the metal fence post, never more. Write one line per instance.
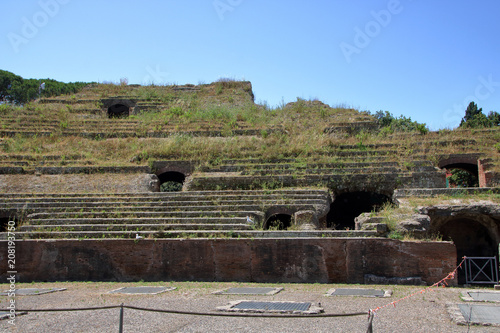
(120, 327)
(370, 322)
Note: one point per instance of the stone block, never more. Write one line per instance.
(306, 220)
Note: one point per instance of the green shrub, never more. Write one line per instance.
(171, 186)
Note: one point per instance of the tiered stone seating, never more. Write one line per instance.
(162, 215)
(217, 199)
(248, 174)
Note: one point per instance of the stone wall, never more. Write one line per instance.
(320, 260)
(79, 183)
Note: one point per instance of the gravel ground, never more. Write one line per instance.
(421, 313)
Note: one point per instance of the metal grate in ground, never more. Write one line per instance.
(249, 291)
(32, 291)
(482, 296)
(275, 307)
(145, 290)
(480, 314)
(359, 292)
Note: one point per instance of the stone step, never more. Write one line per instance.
(289, 192)
(132, 227)
(302, 167)
(137, 133)
(141, 214)
(92, 169)
(169, 196)
(251, 234)
(18, 157)
(431, 192)
(142, 220)
(321, 171)
(210, 197)
(409, 178)
(13, 163)
(205, 181)
(50, 209)
(176, 205)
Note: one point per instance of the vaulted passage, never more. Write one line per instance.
(462, 175)
(4, 221)
(348, 206)
(471, 238)
(118, 111)
(171, 181)
(278, 222)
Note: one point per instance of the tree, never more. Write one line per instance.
(494, 118)
(471, 112)
(15, 89)
(475, 118)
(390, 123)
(6, 81)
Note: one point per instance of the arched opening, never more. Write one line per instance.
(4, 221)
(5, 218)
(278, 222)
(348, 206)
(461, 171)
(171, 181)
(118, 111)
(462, 175)
(471, 238)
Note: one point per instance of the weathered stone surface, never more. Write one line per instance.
(367, 222)
(153, 184)
(257, 260)
(306, 220)
(366, 218)
(77, 183)
(416, 224)
(485, 207)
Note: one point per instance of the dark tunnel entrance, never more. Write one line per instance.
(471, 238)
(171, 181)
(278, 222)
(5, 218)
(348, 206)
(118, 111)
(4, 222)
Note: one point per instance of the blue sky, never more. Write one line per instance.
(418, 58)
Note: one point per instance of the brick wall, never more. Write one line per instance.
(247, 260)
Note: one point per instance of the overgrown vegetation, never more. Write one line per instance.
(475, 118)
(179, 118)
(15, 89)
(462, 178)
(390, 124)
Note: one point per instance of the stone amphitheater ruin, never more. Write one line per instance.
(200, 183)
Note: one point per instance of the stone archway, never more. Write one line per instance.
(119, 107)
(349, 205)
(278, 222)
(473, 228)
(468, 164)
(5, 218)
(279, 217)
(118, 111)
(171, 181)
(471, 238)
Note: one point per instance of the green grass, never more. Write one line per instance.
(293, 130)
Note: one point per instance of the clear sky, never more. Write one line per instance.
(418, 58)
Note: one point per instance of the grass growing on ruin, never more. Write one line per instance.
(461, 198)
(293, 130)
